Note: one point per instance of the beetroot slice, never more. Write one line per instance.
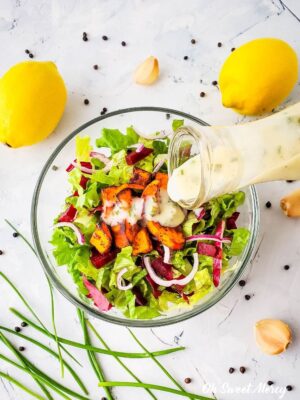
(154, 286)
(206, 249)
(98, 297)
(135, 156)
(139, 298)
(69, 215)
(162, 269)
(231, 221)
(83, 164)
(83, 182)
(100, 260)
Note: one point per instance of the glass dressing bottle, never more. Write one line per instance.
(214, 160)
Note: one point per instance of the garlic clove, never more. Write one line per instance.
(272, 336)
(290, 204)
(147, 72)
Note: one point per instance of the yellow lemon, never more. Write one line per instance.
(32, 100)
(258, 76)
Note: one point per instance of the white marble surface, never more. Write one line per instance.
(223, 336)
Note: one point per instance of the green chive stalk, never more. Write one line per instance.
(21, 386)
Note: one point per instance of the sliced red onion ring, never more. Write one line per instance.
(199, 212)
(120, 281)
(162, 282)
(140, 147)
(102, 158)
(79, 235)
(167, 254)
(214, 238)
(160, 164)
(217, 263)
(83, 169)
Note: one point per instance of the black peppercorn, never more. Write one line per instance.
(104, 109)
(242, 282)
(286, 267)
(54, 168)
(268, 204)
(185, 57)
(193, 41)
(15, 234)
(27, 51)
(86, 102)
(24, 324)
(233, 48)
(214, 83)
(247, 297)
(95, 66)
(289, 181)
(85, 39)
(202, 94)
(103, 398)
(104, 37)
(30, 55)
(1, 252)
(231, 370)
(123, 43)
(219, 44)
(289, 388)
(242, 370)
(168, 116)
(17, 329)
(187, 380)
(270, 383)
(21, 348)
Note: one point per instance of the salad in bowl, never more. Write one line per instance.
(126, 245)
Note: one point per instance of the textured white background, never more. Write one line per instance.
(223, 336)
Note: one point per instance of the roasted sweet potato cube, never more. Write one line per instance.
(142, 243)
(120, 237)
(140, 177)
(170, 237)
(110, 194)
(131, 231)
(125, 197)
(101, 238)
(163, 180)
(151, 189)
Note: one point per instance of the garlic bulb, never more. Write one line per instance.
(290, 204)
(147, 72)
(272, 336)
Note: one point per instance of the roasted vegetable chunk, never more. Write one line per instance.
(162, 179)
(101, 238)
(170, 237)
(131, 231)
(142, 243)
(120, 237)
(140, 177)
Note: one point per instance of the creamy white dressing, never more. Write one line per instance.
(121, 213)
(240, 155)
(166, 212)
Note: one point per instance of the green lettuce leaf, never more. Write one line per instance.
(239, 241)
(89, 198)
(177, 123)
(86, 222)
(203, 285)
(83, 148)
(115, 140)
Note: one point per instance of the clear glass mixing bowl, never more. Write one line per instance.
(52, 188)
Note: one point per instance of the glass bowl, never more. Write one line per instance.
(52, 188)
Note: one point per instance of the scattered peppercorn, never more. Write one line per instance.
(168, 116)
(104, 109)
(219, 44)
(231, 370)
(17, 329)
(103, 398)
(202, 94)
(123, 43)
(104, 37)
(193, 41)
(21, 348)
(187, 380)
(286, 267)
(185, 57)
(247, 297)
(86, 101)
(30, 55)
(242, 282)
(233, 48)
(95, 66)
(290, 181)
(214, 83)
(289, 388)
(8, 145)
(268, 204)
(15, 234)
(1, 252)
(27, 51)
(242, 370)
(23, 324)
(54, 168)
(84, 37)
(270, 383)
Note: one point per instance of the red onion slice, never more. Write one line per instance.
(162, 282)
(140, 147)
(83, 169)
(159, 164)
(199, 212)
(102, 158)
(167, 254)
(214, 238)
(217, 263)
(79, 235)
(120, 281)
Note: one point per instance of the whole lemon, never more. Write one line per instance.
(258, 76)
(32, 100)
